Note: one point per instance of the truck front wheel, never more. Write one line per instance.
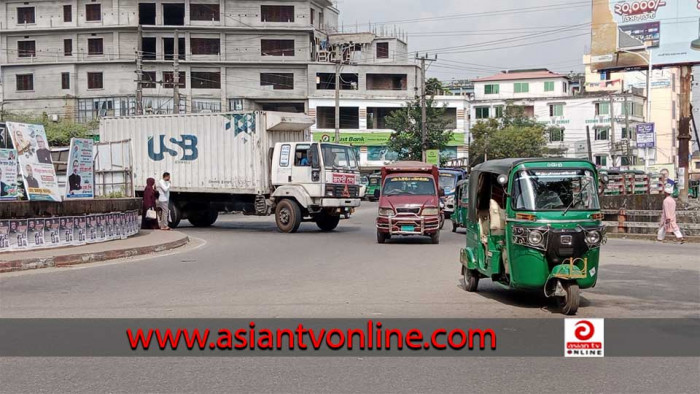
(288, 216)
(327, 222)
(204, 218)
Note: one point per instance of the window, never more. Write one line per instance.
(624, 133)
(387, 82)
(491, 88)
(697, 165)
(277, 13)
(522, 87)
(499, 111)
(601, 133)
(349, 117)
(376, 117)
(169, 48)
(148, 48)
(205, 46)
(556, 135)
(65, 81)
(285, 152)
(93, 12)
(549, 86)
(25, 82)
(95, 80)
(602, 109)
(482, 112)
(382, 50)
(174, 14)
(604, 75)
(235, 104)
(147, 13)
(169, 82)
(277, 81)
(276, 47)
(601, 161)
(148, 79)
(326, 81)
(211, 106)
(313, 16)
(26, 48)
(556, 109)
(25, 15)
(673, 110)
(634, 109)
(301, 156)
(205, 80)
(449, 116)
(95, 46)
(67, 13)
(204, 12)
(68, 47)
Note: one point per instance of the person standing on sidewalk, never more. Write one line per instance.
(668, 217)
(150, 198)
(163, 200)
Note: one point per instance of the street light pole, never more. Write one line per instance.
(647, 116)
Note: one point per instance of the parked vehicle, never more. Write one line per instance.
(364, 181)
(449, 177)
(459, 216)
(409, 201)
(534, 223)
(374, 182)
(257, 163)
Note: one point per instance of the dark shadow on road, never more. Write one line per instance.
(525, 299)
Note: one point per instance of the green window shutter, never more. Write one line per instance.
(549, 86)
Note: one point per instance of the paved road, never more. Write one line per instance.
(243, 268)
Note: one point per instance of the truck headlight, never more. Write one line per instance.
(431, 211)
(386, 212)
(593, 237)
(535, 237)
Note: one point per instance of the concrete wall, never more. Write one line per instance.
(33, 209)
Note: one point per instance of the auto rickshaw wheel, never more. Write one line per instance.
(570, 301)
(471, 280)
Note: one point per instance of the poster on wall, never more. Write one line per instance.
(66, 231)
(4, 235)
(18, 234)
(80, 230)
(51, 233)
(79, 184)
(35, 233)
(8, 174)
(34, 156)
(92, 229)
(101, 228)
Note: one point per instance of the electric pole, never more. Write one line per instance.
(139, 72)
(588, 144)
(176, 74)
(684, 132)
(612, 131)
(338, 62)
(424, 120)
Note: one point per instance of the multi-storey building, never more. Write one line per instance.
(609, 119)
(79, 58)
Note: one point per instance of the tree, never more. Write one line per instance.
(434, 87)
(514, 135)
(407, 138)
(58, 133)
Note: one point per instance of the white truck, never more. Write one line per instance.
(257, 163)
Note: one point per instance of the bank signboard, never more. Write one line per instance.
(671, 28)
(371, 138)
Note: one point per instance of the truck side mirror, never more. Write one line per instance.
(312, 155)
(376, 193)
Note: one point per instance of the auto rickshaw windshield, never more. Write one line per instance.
(547, 190)
(448, 182)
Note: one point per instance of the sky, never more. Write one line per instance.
(479, 38)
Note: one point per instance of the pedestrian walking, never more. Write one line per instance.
(668, 217)
(150, 197)
(163, 189)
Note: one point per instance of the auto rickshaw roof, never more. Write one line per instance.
(504, 166)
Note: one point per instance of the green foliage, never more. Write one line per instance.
(407, 137)
(514, 135)
(115, 194)
(434, 87)
(58, 133)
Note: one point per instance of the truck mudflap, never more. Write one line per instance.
(340, 202)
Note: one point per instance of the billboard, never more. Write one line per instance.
(8, 174)
(646, 136)
(80, 170)
(35, 162)
(670, 28)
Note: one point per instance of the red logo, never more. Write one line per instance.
(346, 192)
(584, 330)
(638, 7)
(344, 179)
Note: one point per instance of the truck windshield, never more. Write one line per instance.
(409, 185)
(339, 157)
(448, 182)
(543, 190)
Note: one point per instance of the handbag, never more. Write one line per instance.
(151, 214)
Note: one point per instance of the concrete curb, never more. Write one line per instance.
(670, 238)
(86, 258)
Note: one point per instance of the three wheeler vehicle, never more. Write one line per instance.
(374, 182)
(459, 216)
(534, 224)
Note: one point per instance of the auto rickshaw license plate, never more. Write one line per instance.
(407, 228)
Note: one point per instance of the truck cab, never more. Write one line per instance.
(313, 182)
(409, 201)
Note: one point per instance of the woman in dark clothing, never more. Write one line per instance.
(149, 202)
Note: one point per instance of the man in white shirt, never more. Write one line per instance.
(163, 188)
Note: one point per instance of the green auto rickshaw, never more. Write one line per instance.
(375, 183)
(534, 224)
(459, 216)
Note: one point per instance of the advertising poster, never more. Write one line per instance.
(93, 229)
(8, 174)
(35, 233)
(4, 235)
(34, 156)
(645, 135)
(669, 28)
(66, 231)
(122, 230)
(51, 233)
(109, 225)
(18, 234)
(135, 223)
(101, 228)
(80, 172)
(80, 230)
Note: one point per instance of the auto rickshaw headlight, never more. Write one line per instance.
(386, 212)
(535, 237)
(593, 237)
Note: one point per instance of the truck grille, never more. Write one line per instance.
(408, 210)
(353, 191)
